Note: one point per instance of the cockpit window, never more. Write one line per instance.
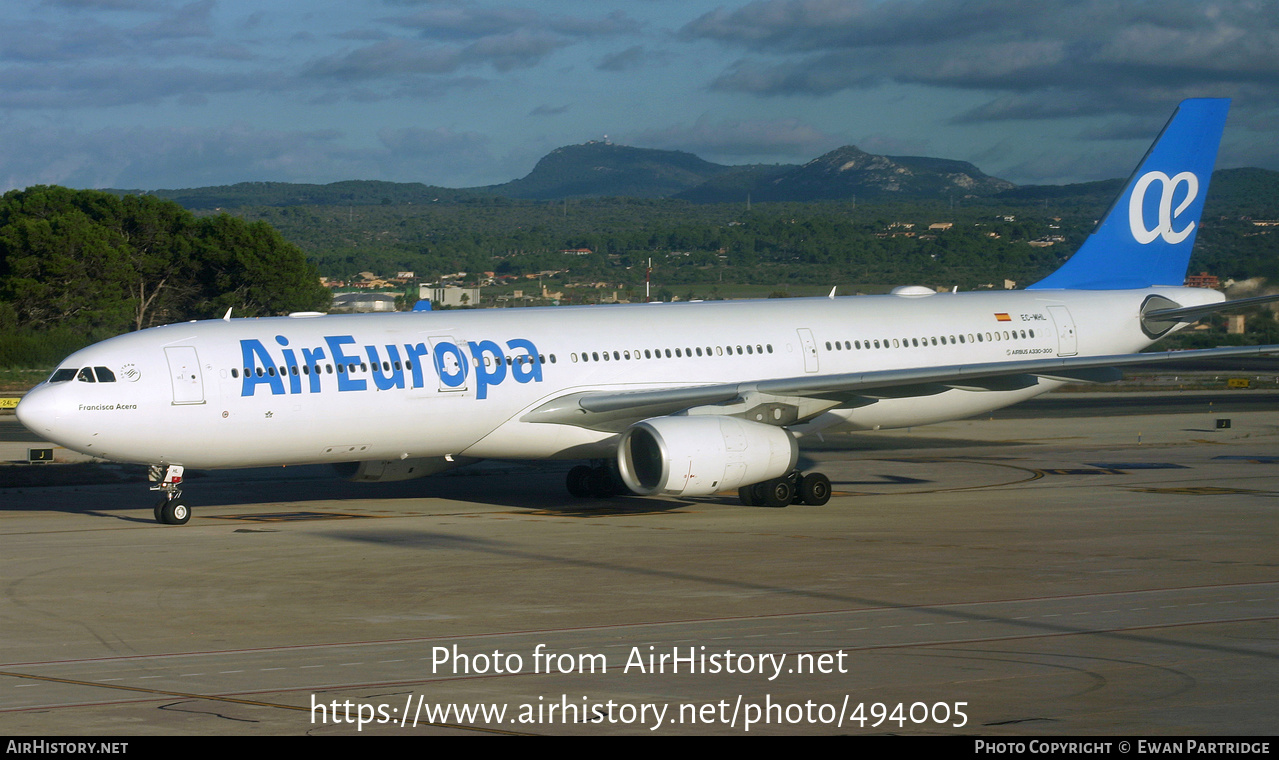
(63, 375)
(86, 375)
(104, 375)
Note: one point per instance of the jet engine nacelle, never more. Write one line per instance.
(701, 455)
(389, 470)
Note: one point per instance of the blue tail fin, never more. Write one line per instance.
(1146, 237)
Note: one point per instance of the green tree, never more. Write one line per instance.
(251, 269)
(100, 263)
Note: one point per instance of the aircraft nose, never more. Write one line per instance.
(37, 411)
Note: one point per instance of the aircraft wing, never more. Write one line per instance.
(616, 410)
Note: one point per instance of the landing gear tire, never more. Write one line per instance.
(777, 492)
(174, 512)
(159, 510)
(601, 483)
(579, 481)
(814, 489)
(746, 495)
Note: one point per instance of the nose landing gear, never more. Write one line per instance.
(170, 510)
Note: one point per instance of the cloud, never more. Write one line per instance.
(415, 142)
(143, 157)
(61, 87)
(741, 139)
(393, 57)
(107, 5)
(171, 157)
(470, 22)
(453, 36)
(631, 58)
(191, 20)
(1041, 60)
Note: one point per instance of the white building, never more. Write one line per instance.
(450, 295)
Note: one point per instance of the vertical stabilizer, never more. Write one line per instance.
(1147, 235)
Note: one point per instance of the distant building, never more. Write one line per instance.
(363, 302)
(450, 295)
(1202, 280)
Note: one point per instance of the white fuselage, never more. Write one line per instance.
(431, 384)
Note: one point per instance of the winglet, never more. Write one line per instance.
(1146, 237)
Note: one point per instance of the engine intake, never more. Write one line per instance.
(701, 455)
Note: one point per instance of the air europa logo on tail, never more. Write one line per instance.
(1163, 229)
(349, 367)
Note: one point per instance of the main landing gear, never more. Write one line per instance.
(599, 480)
(795, 488)
(170, 510)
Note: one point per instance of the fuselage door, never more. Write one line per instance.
(809, 347)
(184, 373)
(452, 367)
(1067, 341)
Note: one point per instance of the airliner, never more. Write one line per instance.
(684, 399)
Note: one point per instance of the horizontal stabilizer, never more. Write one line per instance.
(1194, 313)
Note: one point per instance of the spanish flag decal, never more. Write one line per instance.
(1001, 317)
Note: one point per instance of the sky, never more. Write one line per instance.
(152, 94)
